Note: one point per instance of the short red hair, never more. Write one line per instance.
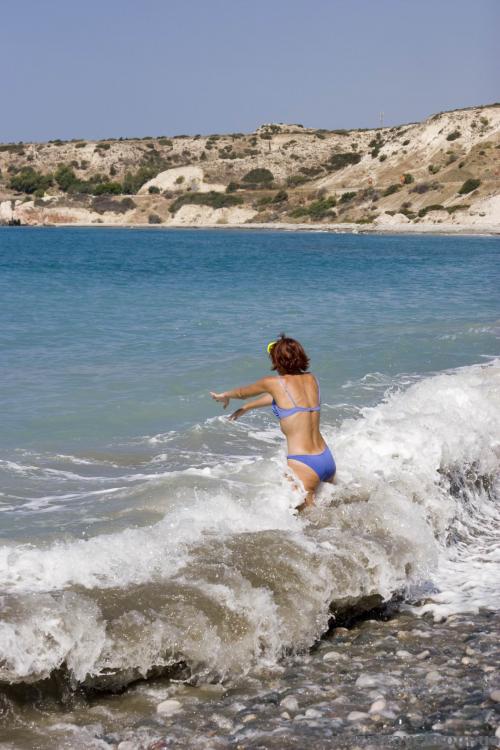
(288, 356)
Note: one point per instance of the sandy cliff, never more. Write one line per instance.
(439, 174)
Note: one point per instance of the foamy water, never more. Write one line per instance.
(145, 534)
(230, 575)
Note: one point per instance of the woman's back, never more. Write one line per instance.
(297, 398)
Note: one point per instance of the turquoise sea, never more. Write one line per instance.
(138, 526)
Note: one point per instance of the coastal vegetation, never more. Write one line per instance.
(212, 199)
(278, 173)
(469, 185)
(342, 160)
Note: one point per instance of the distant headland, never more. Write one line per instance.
(441, 174)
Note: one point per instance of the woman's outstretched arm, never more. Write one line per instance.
(265, 400)
(254, 389)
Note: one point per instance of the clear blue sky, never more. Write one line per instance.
(150, 67)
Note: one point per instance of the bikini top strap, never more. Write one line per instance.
(319, 390)
(287, 392)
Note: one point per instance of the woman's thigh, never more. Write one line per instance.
(307, 476)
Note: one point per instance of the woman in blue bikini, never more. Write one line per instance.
(298, 391)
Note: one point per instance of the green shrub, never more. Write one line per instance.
(280, 197)
(311, 171)
(434, 207)
(154, 219)
(391, 189)
(408, 179)
(321, 208)
(232, 187)
(132, 182)
(13, 148)
(28, 180)
(212, 199)
(65, 177)
(458, 207)
(339, 161)
(469, 185)
(406, 142)
(81, 144)
(296, 179)
(316, 210)
(382, 157)
(264, 201)
(433, 168)
(107, 188)
(259, 177)
(104, 203)
(153, 190)
(346, 197)
(454, 135)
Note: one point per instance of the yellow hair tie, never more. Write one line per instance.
(270, 346)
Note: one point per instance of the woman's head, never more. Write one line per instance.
(288, 356)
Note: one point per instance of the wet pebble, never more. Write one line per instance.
(495, 696)
(332, 656)
(357, 716)
(290, 703)
(377, 706)
(168, 707)
(248, 717)
(423, 655)
(366, 680)
(432, 677)
(313, 713)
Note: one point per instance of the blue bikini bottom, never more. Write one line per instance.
(322, 463)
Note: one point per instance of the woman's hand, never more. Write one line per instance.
(222, 398)
(237, 414)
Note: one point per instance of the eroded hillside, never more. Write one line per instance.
(442, 171)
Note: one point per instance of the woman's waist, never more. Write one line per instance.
(304, 447)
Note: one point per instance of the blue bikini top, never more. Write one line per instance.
(283, 413)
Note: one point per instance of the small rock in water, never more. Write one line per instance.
(285, 715)
(332, 656)
(366, 680)
(497, 733)
(423, 655)
(377, 706)
(290, 703)
(495, 696)
(248, 717)
(312, 713)
(357, 716)
(403, 654)
(168, 707)
(127, 745)
(222, 722)
(432, 676)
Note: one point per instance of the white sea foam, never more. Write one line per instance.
(230, 574)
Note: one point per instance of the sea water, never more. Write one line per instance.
(142, 532)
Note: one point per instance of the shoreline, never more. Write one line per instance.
(445, 230)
